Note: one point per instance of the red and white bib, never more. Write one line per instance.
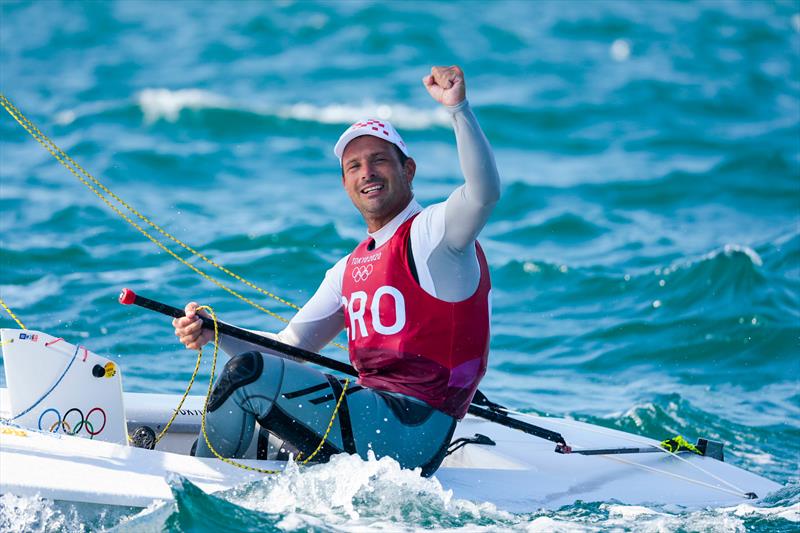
(404, 340)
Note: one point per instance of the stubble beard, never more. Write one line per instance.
(386, 209)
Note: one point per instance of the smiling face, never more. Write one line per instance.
(377, 183)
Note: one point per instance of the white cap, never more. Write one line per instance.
(377, 128)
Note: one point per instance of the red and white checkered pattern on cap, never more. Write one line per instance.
(381, 129)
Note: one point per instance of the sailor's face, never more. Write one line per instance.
(378, 185)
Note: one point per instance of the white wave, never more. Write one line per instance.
(351, 494)
(720, 519)
(698, 521)
(32, 513)
(68, 116)
(631, 512)
(151, 519)
(32, 293)
(635, 413)
(165, 104)
(730, 249)
(759, 458)
(546, 524)
(790, 513)
(402, 116)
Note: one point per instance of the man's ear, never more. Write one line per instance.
(410, 168)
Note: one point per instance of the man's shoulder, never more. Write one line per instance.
(429, 222)
(336, 272)
(341, 263)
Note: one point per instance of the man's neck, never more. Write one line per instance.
(385, 231)
(375, 224)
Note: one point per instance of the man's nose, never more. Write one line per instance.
(367, 171)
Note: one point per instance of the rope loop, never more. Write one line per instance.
(208, 394)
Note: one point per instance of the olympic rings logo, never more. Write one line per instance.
(361, 273)
(78, 421)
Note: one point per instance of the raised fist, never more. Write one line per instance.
(446, 85)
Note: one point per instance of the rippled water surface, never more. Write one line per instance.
(645, 254)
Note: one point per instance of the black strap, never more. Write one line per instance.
(303, 392)
(481, 399)
(330, 396)
(412, 266)
(288, 428)
(348, 441)
(463, 441)
(509, 422)
(262, 447)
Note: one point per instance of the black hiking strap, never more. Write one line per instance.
(346, 426)
(303, 392)
(330, 396)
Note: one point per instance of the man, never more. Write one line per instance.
(414, 298)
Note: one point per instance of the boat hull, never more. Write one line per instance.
(520, 473)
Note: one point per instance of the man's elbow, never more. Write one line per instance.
(494, 194)
(490, 195)
(483, 200)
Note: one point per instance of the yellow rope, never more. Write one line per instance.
(330, 425)
(188, 388)
(85, 177)
(12, 315)
(208, 395)
(678, 443)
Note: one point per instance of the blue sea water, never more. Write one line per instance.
(645, 254)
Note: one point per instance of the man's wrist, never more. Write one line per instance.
(453, 109)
